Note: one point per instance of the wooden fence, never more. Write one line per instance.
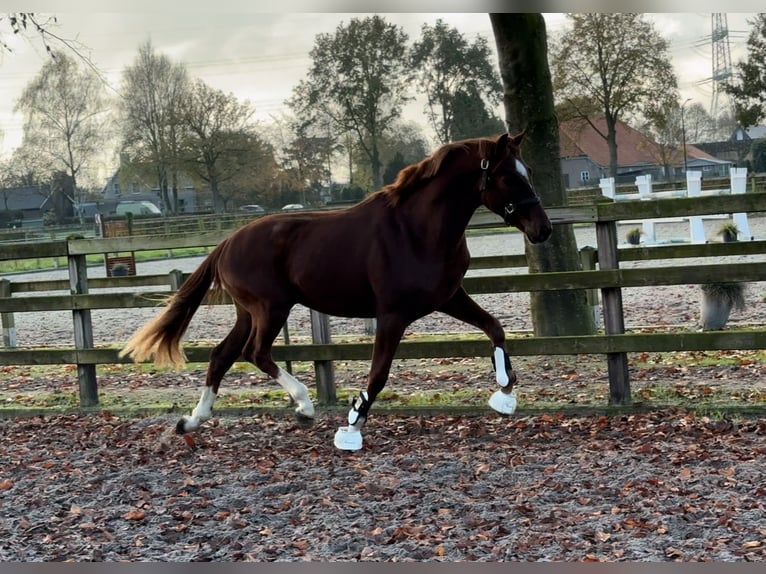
(613, 342)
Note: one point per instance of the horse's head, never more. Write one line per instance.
(506, 189)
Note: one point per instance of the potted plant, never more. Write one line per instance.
(120, 270)
(728, 231)
(634, 235)
(718, 299)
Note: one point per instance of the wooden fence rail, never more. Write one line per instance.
(608, 278)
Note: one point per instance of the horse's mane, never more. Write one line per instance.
(410, 176)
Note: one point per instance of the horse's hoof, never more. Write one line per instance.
(181, 426)
(504, 403)
(305, 411)
(348, 439)
(304, 420)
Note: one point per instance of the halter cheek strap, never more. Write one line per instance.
(484, 174)
(510, 207)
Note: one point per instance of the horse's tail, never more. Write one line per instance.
(161, 337)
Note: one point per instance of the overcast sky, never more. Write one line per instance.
(262, 56)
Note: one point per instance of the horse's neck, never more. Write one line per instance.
(447, 203)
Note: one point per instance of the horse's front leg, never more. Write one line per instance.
(465, 309)
(388, 333)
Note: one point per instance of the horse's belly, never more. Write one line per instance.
(340, 302)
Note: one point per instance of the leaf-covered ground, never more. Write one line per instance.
(667, 485)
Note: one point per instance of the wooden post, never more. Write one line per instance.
(83, 331)
(9, 322)
(176, 279)
(614, 322)
(588, 263)
(324, 370)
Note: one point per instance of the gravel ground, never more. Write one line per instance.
(661, 487)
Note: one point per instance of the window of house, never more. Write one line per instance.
(584, 176)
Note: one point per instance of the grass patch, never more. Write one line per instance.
(48, 263)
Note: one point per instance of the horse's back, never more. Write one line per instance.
(319, 259)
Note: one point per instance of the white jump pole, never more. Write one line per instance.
(644, 184)
(694, 189)
(738, 176)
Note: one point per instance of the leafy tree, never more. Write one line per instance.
(749, 90)
(393, 168)
(618, 60)
(577, 107)
(215, 126)
(458, 80)
(154, 89)
(312, 157)
(253, 175)
(528, 96)
(358, 78)
(403, 138)
(473, 119)
(63, 106)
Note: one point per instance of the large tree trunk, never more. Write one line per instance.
(523, 58)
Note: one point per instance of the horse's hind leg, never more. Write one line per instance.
(268, 324)
(465, 309)
(222, 357)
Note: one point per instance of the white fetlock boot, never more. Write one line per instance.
(350, 437)
(503, 400)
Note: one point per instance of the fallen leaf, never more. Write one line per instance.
(134, 515)
(602, 536)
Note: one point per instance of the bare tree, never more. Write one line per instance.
(153, 89)
(63, 107)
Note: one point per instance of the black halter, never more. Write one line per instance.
(510, 207)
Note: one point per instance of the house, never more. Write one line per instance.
(585, 155)
(113, 193)
(25, 206)
(738, 148)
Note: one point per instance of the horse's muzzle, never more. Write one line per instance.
(540, 235)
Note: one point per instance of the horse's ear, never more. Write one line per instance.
(516, 140)
(501, 142)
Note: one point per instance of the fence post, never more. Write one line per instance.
(614, 321)
(606, 184)
(176, 279)
(588, 263)
(9, 321)
(83, 330)
(324, 370)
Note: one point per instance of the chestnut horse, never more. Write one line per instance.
(396, 256)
